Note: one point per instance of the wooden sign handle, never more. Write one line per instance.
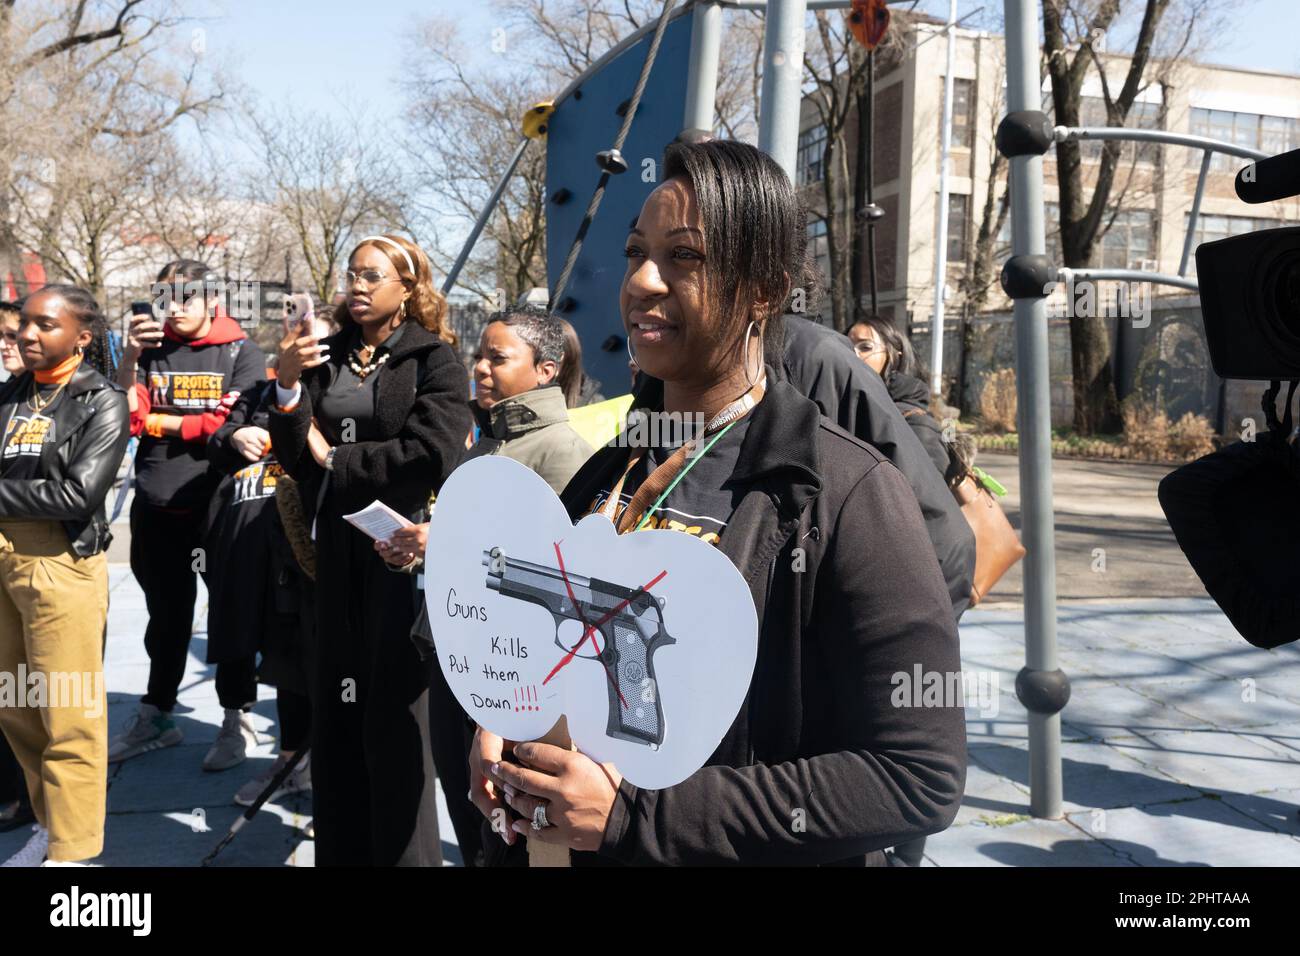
(550, 854)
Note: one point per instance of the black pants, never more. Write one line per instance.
(294, 711)
(12, 784)
(237, 683)
(372, 768)
(163, 544)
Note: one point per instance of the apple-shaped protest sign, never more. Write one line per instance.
(645, 641)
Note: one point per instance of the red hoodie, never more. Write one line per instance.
(195, 426)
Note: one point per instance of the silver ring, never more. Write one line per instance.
(539, 817)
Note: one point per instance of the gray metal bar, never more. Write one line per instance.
(1033, 386)
(764, 4)
(1196, 212)
(702, 70)
(491, 204)
(941, 231)
(1128, 275)
(783, 45)
(1063, 133)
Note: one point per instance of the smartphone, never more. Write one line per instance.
(298, 312)
(145, 308)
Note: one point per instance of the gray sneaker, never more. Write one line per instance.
(232, 742)
(298, 781)
(148, 729)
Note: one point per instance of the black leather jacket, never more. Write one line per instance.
(91, 430)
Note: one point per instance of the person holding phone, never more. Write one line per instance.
(182, 375)
(378, 411)
(64, 430)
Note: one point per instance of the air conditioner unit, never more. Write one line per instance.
(1149, 265)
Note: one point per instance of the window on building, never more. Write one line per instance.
(812, 147)
(819, 249)
(958, 221)
(1212, 228)
(1270, 134)
(963, 112)
(1092, 112)
(1128, 243)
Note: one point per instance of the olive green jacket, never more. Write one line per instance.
(533, 428)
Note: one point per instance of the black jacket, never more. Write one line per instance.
(91, 428)
(912, 396)
(421, 412)
(819, 765)
(821, 364)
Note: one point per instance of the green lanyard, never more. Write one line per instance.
(682, 474)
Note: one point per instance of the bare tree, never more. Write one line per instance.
(1074, 33)
(330, 181)
(83, 85)
(836, 66)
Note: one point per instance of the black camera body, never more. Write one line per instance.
(1250, 298)
(1250, 284)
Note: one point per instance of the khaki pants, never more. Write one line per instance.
(53, 610)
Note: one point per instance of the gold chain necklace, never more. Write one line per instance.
(38, 404)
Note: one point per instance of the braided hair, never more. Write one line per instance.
(85, 309)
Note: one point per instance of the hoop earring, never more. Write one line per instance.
(751, 325)
(78, 349)
(630, 356)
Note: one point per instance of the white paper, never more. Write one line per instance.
(377, 520)
(502, 561)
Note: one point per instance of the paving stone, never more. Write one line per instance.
(1025, 843)
(1203, 832)
(1213, 761)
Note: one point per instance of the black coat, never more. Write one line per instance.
(256, 592)
(818, 732)
(91, 428)
(821, 364)
(912, 396)
(421, 415)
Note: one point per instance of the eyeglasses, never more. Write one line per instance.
(371, 277)
(868, 348)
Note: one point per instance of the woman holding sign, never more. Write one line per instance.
(375, 412)
(822, 764)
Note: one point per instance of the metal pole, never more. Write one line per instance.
(1190, 239)
(1032, 384)
(702, 69)
(941, 239)
(483, 216)
(870, 120)
(778, 121)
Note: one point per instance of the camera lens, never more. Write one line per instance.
(1286, 292)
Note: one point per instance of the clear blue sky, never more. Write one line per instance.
(300, 51)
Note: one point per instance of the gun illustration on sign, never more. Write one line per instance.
(630, 624)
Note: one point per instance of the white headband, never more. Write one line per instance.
(405, 255)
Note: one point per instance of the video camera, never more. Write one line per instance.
(1236, 512)
(1250, 284)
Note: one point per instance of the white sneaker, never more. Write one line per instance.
(232, 742)
(33, 853)
(148, 729)
(298, 781)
